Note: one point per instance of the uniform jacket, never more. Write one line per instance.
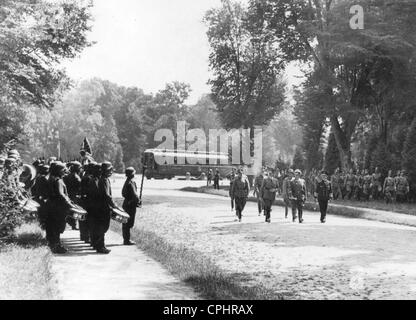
(129, 193)
(40, 190)
(298, 189)
(258, 182)
(73, 183)
(269, 188)
(240, 188)
(323, 190)
(105, 195)
(58, 203)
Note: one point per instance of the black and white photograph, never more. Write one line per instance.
(206, 155)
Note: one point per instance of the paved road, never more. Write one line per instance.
(126, 273)
(343, 259)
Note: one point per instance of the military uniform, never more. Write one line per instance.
(73, 184)
(57, 207)
(101, 215)
(298, 193)
(40, 193)
(367, 187)
(131, 200)
(268, 192)
(323, 192)
(349, 185)
(239, 192)
(336, 186)
(258, 182)
(402, 189)
(389, 189)
(376, 186)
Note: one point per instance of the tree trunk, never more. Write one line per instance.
(343, 142)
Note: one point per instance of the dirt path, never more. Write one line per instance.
(126, 273)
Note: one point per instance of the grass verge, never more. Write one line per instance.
(196, 270)
(25, 266)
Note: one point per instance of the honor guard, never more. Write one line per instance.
(286, 191)
(367, 185)
(258, 182)
(73, 184)
(85, 201)
(93, 201)
(57, 206)
(336, 187)
(323, 193)
(131, 201)
(350, 184)
(268, 192)
(239, 192)
(298, 193)
(102, 218)
(389, 188)
(40, 193)
(402, 188)
(376, 184)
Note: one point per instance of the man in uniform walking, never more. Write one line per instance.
(268, 194)
(367, 185)
(131, 200)
(286, 191)
(217, 179)
(323, 193)
(258, 182)
(298, 192)
(239, 192)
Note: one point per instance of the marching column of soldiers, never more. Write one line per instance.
(60, 189)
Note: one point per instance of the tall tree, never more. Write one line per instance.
(246, 87)
(36, 35)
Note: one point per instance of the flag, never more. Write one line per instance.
(85, 146)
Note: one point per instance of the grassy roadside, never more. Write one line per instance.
(25, 267)
(195, 269)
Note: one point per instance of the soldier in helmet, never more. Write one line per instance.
(131, 200)
(323, 193)
(402, 188)
(102, 216)
(73, 183)
(336, 187)
(239, 192)
(85, 200)
(376, 184)
(350, 184)
(57, 206)
(268, 192)
(258, 182)
(389, 188)
(40, 193)
(287, 191)
(92, 198)
(298, 193)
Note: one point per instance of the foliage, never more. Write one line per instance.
(409, 152)
(35, 36)
(246, 87)
(332, 160)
